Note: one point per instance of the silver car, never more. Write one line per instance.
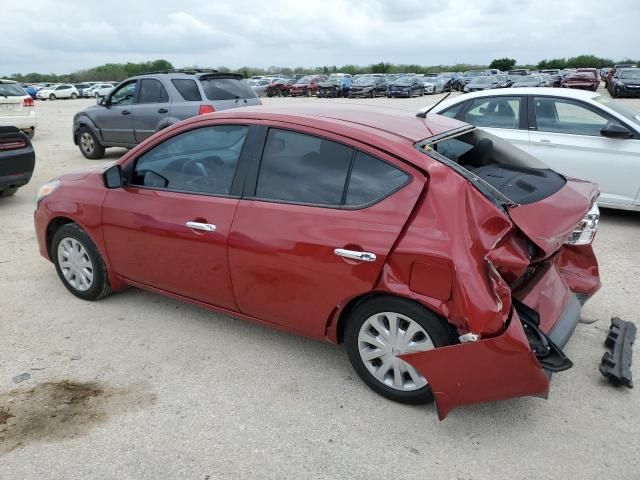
(143, 105)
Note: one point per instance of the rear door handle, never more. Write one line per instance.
(353, 255)
(125, 112)
(163, 110)
(544, 140)
(205, 227)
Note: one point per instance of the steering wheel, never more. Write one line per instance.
(196, 174)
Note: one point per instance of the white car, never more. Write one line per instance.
(578, 133)
(16, 108)
(99, 90)
(58, 91)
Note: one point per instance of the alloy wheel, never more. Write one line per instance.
(87, 143)
(75, 264)
(385, 336)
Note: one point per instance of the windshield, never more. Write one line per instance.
(635, 74)
(364, 81)
(527, 79)
(11, 90)
(483, 80)
(304, 80)
(429, 80)
(473, 73)
(626, 111)
(403, 81)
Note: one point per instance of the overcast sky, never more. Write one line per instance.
(62, 36)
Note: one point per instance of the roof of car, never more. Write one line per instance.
(6, 80)
(372, 119)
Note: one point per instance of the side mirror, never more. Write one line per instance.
(613, 130)
(112, 176)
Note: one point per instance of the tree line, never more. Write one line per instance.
(119, 71)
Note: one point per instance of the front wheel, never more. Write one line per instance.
(89, 144)
(52, 97)
(74, 96)
(382, 329)
(79, 263)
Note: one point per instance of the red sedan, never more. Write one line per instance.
(451, 265)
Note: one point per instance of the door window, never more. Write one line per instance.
(302, 168)
(566, 116)
(372, 179)
(124, 95)
(203, 160)
(188, 89)
(452, 112)
(152, 91)
(496, 112)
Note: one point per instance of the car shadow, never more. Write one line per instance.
(620, 217)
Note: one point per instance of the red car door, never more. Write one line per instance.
(301, 242)
(168, 228)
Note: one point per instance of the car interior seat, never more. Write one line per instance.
(479, 155)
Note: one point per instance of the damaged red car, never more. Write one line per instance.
(450, 264)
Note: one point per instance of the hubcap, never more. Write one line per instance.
(86, 140)
(75, 264)
(383, 338)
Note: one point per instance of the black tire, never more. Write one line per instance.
(309, 92)
(440, 332)
(52, 97)
(100, 287)
(31, 133)
(73, 96)
(92, 152)
(7, 192)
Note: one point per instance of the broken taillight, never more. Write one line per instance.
(586, 229)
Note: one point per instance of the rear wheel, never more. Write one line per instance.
(74, 96)
(31, 132)
(79, 263)
(89, 144)
(52, 97)
(383, 328)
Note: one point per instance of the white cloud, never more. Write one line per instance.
(49, 35)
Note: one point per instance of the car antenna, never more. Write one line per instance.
(424, 114)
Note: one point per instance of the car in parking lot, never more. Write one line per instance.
(317, 219)
(520, 81)
(99, 90)
(306, 86)
(577, 133)
(259, 87)
(82, 88)
(56, 92)
(17, 160)
(434, 84)
(405, 87)
(280, 87)
(140, 106)
(368, 86)
(17, 108)
(625, 83)
(484, 82)
(582, 80)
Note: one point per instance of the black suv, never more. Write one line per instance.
(143, 105)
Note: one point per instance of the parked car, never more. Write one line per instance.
(31, 91)
(447, 78)
(99, 90)
(306, 86)
(17, 108)
(280, 87)
(58, 91)
(259, 87)
(593, 71)
(504, 80)
(17, 159)
(481, 83)
(470, 75)
(579, 134)
(519, 72)
(405, 87)
(142, 105)
(433, 84)
(368, 86)
(520, 81)
(319, 222)
(556, 76)
(581, 80)
(82, 87)
(625, 83)
(335, 86)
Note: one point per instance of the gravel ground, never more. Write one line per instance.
(139, 386)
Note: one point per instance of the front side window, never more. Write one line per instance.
(565, 116)
(496, 112)
(125, 95)
(152, 91)
(203, 160)
(302, 168)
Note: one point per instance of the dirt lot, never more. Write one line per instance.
(139, 386)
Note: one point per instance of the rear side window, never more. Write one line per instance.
(152, 91)
(302, 168)
(188, 89)
(11, 90)
(453, 111)
(226, 88)
(372, 179)
(497, 112)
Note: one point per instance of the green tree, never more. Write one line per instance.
(505, 64)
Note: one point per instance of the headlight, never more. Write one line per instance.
(46, 190)
(586, 229)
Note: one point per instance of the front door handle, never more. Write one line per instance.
(163, 110)
(125, 112)
(205, 227)
(353, 255)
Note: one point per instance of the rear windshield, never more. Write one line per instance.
(498, 169)
(226, 89)
(11, 90)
